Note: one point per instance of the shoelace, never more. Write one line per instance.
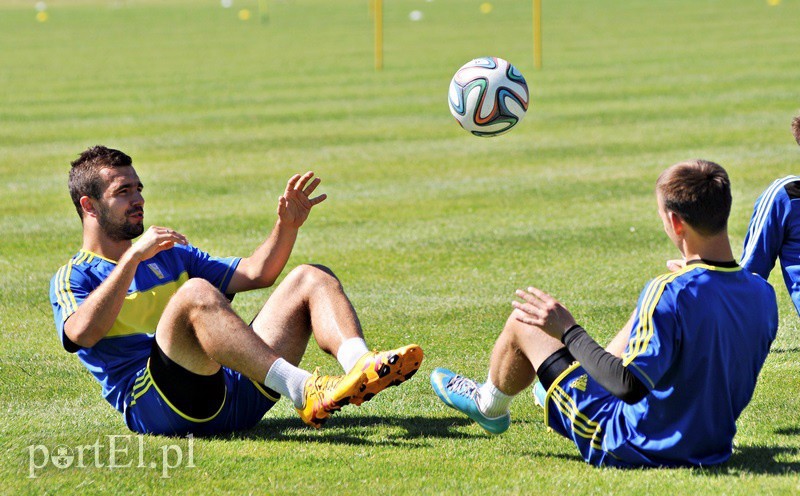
(325, 382)
(462, 386)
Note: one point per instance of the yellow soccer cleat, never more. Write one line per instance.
(325, 394)
(386, 368)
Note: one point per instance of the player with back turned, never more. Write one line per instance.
(668, 389)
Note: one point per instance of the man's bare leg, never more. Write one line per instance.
(311, 300)
(200, 332)
(517, 354)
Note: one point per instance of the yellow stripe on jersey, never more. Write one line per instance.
(644, 331)
(63, 291)
(142, 310)
(64, 294)
(90, 255)
(59, 291)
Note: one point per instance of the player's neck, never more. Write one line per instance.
(105, 246)
(715, 248)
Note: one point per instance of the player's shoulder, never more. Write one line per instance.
(757, 281)
(181, 250)
(79, 262)
(792, 188)
(176, 258)
(695, 274)
(782, 189)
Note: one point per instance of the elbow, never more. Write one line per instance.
(83, 337)
(257, 282)
(266, 281)
(255, 279)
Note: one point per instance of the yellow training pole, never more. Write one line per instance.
(378, 13)
(537, 34)
(263, 11)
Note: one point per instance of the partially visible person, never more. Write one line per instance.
(669, 388)
(774, 231)
(152, 322)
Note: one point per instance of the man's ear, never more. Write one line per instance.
(678, 226)
(88, 206)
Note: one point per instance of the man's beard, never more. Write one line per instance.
(116, 230)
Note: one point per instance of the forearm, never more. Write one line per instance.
(94, 318)
(263, 267)
(603, 367)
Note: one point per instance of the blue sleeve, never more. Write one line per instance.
(218, 271)
(652, 345)
(68, 288)
(766, 230)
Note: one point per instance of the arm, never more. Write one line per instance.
(765, 232)
(96, 314)
(604, 367)
(545, 312)
(262, 268)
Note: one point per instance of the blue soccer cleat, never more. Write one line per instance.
(461, 393)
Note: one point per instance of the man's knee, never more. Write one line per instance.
(307, 277)
(199, 293)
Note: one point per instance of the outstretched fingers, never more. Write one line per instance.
(311, 187)
(292, 184)
(300, 185)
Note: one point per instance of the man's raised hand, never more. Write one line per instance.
(295, 203)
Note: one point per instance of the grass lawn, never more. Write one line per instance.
(429, 228)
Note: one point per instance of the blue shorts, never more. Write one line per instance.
(578, 408)
(148, 411)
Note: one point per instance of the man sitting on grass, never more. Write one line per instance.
(774, 231)
(670, 386)
(152, 323)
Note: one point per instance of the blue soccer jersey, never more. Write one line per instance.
(699, 339)
(774, 233)
(123, 352)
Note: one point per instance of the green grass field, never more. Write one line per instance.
(430, 228)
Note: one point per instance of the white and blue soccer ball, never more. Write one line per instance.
(488, 96)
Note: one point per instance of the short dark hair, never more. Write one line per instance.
(698, 191)
(796, 128)
(84, 176)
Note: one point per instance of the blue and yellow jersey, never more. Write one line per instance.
(774, 233)
(699, 339)
(116, 358)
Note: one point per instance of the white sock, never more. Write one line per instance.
(288, 380)
(350, 351)
(491, 401)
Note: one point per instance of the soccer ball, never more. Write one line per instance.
(488, 96)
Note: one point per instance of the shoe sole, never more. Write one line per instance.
(402, 365)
